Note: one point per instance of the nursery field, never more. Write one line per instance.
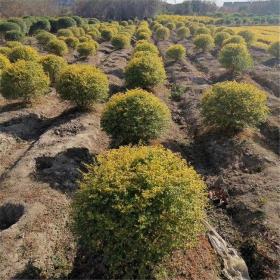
(265, 35)
(138, 149)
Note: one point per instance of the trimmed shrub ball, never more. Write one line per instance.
(236, 58)
(136, 116)
(204, 42)
(144, 45)
(87, 48)
(72, 42)
(14, 35)
(65, 22)
(43, 37)
(84, 85)
(274, 49)
(121, 41)
(42, 24)
(23, 53)
(220, 37)
(248, 36)
(176, 52)
(135, 206)
(233, 105)
(236, 39)
(53, 65)
(162, 33)
(25, 80)
(57, 47)
(202, 30)
(145, 71)
(183, 33)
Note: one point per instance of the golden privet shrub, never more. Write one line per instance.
(204, 42)
(57, 47)
(236, 39)
(183, 33)
(23, 53)
(53, 65)
(135, 206)
(25, 80)
(72, 42)
(162, 33)
(87, 48)
(176, 52)
(220, 37)
(235, 57)
(232, 105)
(43, 37)
(135, 116)
(4, 62)
(248, 36)
(84, 85)
(274, 49)
(121, 41)
(146, 46)
(145, 71)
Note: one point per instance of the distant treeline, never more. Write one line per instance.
(121, 9)
(117, 9)
(102, 9)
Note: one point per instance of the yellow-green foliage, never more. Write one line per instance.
(183, 33)
(248, 36)
(146, 46)
(204, 42)
(43, 37)
(145, 71)
(274, 49)
(233, 105)
(202, 30)
(72, 42)
(57, 47)
(121, 41)
(95, 34)
(143, 32)
(236, 39)
(135, 206)
(108, 32)
(176, 52)
(23, 53)
(265, 35)
(87, 48)
(53, 65)
(24, 79)
(77, 31)
(235, 57)
(229, 31)
(135, 116)
(4, 62)
(171, 25)
(65, 32)
(83, 84)
(162, 33)
(5, 51)
(220, 37)
(85, 38)
(13, 44)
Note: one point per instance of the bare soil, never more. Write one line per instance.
(44, 147)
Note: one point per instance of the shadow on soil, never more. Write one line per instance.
(32, 126)
(64, 169)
